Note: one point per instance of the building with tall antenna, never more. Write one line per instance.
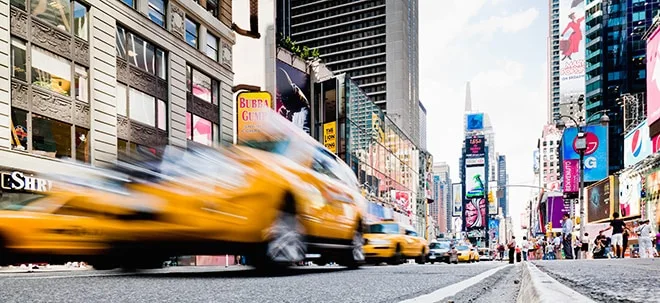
(488, 131)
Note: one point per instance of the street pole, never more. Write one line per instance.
(580, 198)
(529, 228)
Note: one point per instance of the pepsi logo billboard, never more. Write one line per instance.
(637, 145)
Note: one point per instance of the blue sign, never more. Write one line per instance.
(475, 121)
(596, 166)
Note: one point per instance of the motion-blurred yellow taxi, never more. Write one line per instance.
(276, 198)
(392, 242)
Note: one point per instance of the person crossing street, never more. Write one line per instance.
(567, 234)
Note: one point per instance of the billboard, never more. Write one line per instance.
(293, 95)
(475, 213)
(556, 208)
(537, 161)
(330, 136)
(494, 230)
(492, 200)
(595, 156)
(402, 200)
(601, 200)
(655, 142)
(475, 147)
(652, 78)
(630, 189)
(475, 122)
(571, 46)
(474, 182)
(571, 175)
(637, 145)
(457, 201)
(251, 108)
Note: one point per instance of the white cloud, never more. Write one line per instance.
(509, 23)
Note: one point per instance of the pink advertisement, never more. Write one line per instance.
(571, 176)
(656, 143)
(652, 78)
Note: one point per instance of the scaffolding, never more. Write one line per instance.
(634, 110)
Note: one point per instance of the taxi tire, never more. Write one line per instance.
(286, 243)
(421, 259)
(397, 258)
(355, 257)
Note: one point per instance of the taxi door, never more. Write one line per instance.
(414, 243)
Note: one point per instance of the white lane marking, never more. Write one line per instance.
(68, 276)
(453, 289)
(548, 289)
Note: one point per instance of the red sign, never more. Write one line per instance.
(592, 143)
(571, 175)
(656, 143)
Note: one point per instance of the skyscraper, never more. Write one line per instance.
(442, 208)
(488, 131)
(367, 40)
(615, 62)
(553, 60)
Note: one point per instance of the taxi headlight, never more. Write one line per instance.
(379, 242)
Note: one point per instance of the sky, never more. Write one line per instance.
(499, 46)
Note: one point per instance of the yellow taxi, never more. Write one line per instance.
(276, 198)
(467, 253)
(392, 242)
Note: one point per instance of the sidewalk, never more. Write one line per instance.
(47, 268)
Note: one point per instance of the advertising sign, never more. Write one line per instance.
(474, 182)
(330, 136)
(656, 143)
(595, 156)
(601, 200)
(492, 199)
(571, 47)
(457, 201)
(475, 161)
(571, 176)
(252, 108)
(556, 208)
(17, 181)
(293, 95)
(637, 145)
(537, 161)
(630, 189)
(475, 146)
(494, 230)
(402, 200)
(653, 78)
(475, 121)
(475, 213)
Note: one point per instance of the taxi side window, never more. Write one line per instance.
(322, 164)
(70, 208)
(411, 233)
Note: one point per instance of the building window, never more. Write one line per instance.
(82, 145)
(19, 130)
(161, 120)
(18, 59)
(81, 84)
(122, 93)
(141, 53)
(212, 47)
(202, 86)
(192, 32)
(201, 130)
(157, 11)
(57, 13)
(130, 3)
(51, 71)
(50, 138)
(141, 107)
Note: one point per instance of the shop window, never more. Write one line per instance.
(203, 86)
(141, 107)
(212, 47)
(200, 130)
(122, 100)
(51, 71)
(19, 130)
(192, 32)
(140, 53)
(51, 138)
(18, 59)
(81, 84)
(157, 9)
(80, 20)
(82, 145)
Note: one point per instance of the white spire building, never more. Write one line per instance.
(488, 131)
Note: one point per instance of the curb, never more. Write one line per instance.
(539, 287)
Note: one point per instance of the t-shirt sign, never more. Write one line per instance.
(617, 226)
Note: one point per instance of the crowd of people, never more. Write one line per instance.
(565, 245)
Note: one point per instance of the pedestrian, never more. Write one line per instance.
(657, 244)
(511, 246)
(626, 236)
(600, 246)
(500, 250)
(518, 254)
(645, 246)
(556, 244)
(525, 248)
(567, 231)
(616, 225)
(584, 248)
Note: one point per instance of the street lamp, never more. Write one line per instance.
(581, 146)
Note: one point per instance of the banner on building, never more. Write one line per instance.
(330, 136)
(596, 154)
(571, 50)
(494, 230)
(653, 78)
(457, 201)
(492, 199)
(402, 199)
(656, 143)
(475, 213)
(293, 95)
(252, 110)
(475, 147)
(571, 176)
(637, 145)
(602, 200)
(556, 208)
(475, 121)
(630, 189)
(537, 161)
(474, 182)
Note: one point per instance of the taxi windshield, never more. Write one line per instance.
(439, 245)
(462, 247)
(391, 228)
(279, 147)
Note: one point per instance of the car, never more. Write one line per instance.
(485, 254)
(439, 251)
(277, 197)
(466, 253)
(393, 242)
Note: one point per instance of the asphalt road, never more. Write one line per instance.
(239, 284)
(609, 280)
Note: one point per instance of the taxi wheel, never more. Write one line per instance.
(421, 259)
(356, 257)
(397, 258)
(286, 242)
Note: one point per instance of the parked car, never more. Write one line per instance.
(485, 254)
(439, 251)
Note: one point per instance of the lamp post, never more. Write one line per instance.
(581, 146)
